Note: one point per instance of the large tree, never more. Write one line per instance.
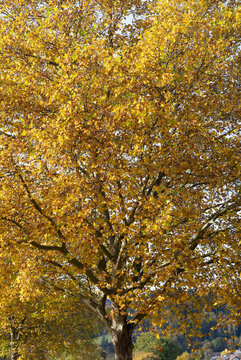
(120, 151)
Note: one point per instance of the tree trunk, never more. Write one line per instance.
(14, 340)
(14, 356)
(122, 338)
(14, 352)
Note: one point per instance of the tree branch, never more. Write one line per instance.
(38, 208)
(210, 221)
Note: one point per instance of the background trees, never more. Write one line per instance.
(120, 152)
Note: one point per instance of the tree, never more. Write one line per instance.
(120, 153)
(165, 348)
(34, 322)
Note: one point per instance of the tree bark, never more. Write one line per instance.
(14, 353)
(14, 336)
(122, 338)
(14, 356)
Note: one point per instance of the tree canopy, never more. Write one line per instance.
(120, 151)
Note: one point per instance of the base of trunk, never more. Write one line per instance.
(122, 341)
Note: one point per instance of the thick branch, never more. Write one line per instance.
(156, 182)
(38, 208)
(210, 221)
(141, 315)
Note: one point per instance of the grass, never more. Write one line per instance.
(140, 355)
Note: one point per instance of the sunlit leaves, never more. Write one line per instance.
(120, 146)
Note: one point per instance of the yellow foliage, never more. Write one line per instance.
(225, 352)
(120, 151)
(139, 355)
(183, 356)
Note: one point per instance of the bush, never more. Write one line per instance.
(219, 344)
(165, 348)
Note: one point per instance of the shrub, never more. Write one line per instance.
(218, 344)
(165, 348)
